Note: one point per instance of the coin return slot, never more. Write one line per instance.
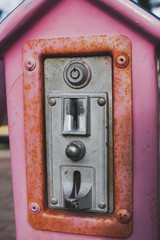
(77, 183)
(78, 189)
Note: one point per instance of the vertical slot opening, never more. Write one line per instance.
(75, 114)
(76, 184)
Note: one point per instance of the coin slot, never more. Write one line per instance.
(76, 116)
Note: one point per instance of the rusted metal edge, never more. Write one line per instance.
(111, 225)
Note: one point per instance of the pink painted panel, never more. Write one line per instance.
(82, 18)
(136, 16)
(140, 18)
(3, 107)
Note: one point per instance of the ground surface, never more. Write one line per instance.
(7, 224)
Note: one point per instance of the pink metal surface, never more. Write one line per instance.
(136, 16)
(3, 106)
(82, 18)
(125, 9)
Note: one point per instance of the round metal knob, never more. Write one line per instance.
(75, 150)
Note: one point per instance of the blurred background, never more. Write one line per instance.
(7, 6)
(7, 224)
(150, 5)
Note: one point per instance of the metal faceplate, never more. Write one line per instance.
(78, 109)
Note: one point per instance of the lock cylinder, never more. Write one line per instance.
(77, 74)
(75, 150)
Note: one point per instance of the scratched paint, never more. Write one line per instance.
(28, 4)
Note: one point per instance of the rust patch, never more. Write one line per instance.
(65, 221)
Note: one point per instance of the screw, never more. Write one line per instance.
(123, 216)
(52, 101)
(122, 61)
(54, 201)
(101, 101)
(102, 205)
(34, 208)
(30, 64)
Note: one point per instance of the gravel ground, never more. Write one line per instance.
(7, 224)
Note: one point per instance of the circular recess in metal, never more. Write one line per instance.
(77, 74)
(75, 150)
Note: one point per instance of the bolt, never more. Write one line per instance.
(101, 101)
(123, 216)
(54, 201)
(102, 205)
(30, 64)
(122, 61)
(34, 208)
(52, 101)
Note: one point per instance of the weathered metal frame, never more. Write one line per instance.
(60, 220)
(101, 168)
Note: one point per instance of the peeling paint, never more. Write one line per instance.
(28, 4)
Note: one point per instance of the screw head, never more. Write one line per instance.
(52, 101)
(123, 216)
(122, 61)
(34, 208)
(101, 205)
(30, 64)
(54, 201)
(101, 101)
